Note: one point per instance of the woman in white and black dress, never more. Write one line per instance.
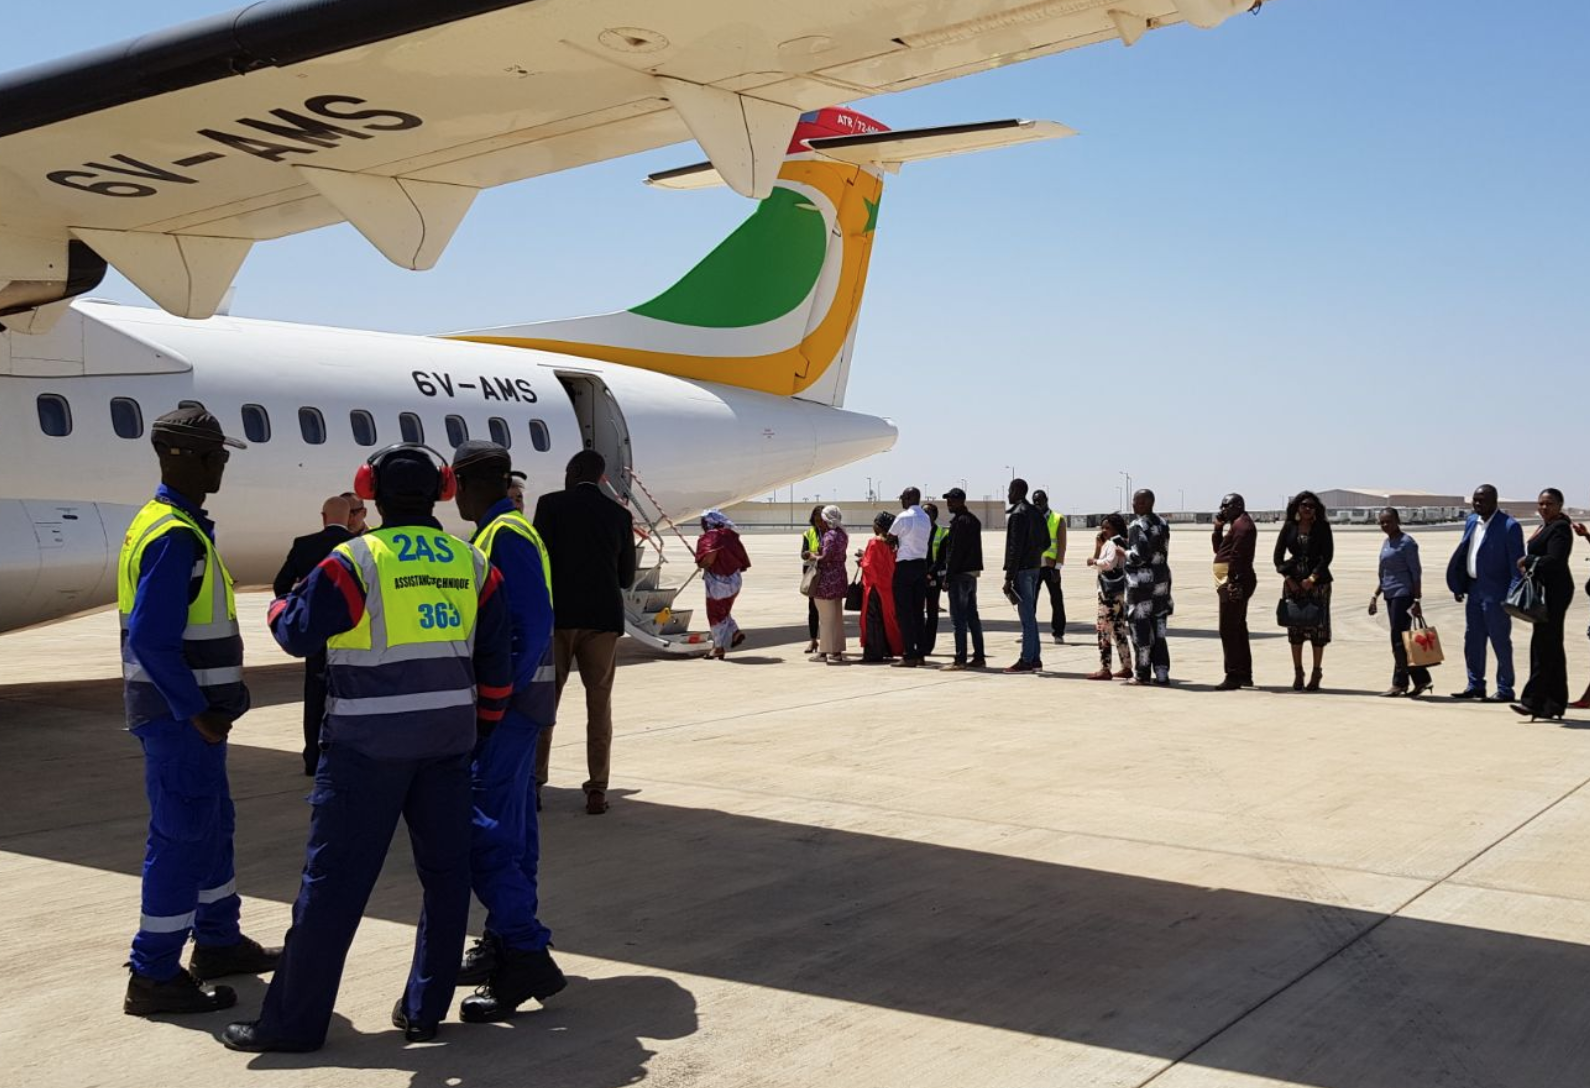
(1109, 557)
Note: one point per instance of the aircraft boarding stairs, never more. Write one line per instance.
(650, 617)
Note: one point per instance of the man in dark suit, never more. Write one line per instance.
(1483, 569)
(591, 542)
(304, 556)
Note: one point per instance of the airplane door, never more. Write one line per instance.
(602, 426)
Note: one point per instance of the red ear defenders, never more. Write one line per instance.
(364, 481)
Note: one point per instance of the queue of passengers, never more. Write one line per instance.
(910, 560)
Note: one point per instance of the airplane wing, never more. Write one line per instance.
(170, 155)
(890, 149)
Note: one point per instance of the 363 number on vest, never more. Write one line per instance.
(440, 615)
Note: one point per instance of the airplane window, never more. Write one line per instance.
(540, 438)
(499, 432)
(126, 417)
(256, 423)
(457, 431)
(363, 426)
(313, 425)
(413, 430)
(55, 415)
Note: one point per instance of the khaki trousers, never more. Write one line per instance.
(830, 625)
(595, 653)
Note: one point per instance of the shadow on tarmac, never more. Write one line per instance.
(1101, 958)
(589, 1036)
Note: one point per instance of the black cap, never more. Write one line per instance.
(955, 493)
(409, 475)
(192, 427)
(477, 452)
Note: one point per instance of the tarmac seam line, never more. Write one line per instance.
(1357, 938)
(1276, 859)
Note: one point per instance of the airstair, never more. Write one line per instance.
(650, 617)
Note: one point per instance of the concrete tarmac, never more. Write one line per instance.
(873, 876)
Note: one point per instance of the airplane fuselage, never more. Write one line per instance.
(313, 403)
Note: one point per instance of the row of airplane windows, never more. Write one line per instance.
(127, 420)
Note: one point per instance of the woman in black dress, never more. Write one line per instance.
(1546, 557)
(1303, 554)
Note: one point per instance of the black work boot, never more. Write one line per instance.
(178, 994)
(413, 1031)
(480, 960)
(246, 957)
(519, 977)
(245, 1035)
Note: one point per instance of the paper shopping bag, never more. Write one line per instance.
(1423, 644)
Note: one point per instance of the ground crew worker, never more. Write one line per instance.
(510, 961)
(182, 669)
(937, 535)
(1053, 559)
(417, 660)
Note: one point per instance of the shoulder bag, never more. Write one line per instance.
(808, 577)
(853, 595)
(1525, 601)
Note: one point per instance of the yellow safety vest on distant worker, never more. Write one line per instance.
(1054, 536)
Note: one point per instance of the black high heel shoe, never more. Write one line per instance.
(1314, 678)
(1297, 679)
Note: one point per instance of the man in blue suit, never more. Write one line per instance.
(1482, 570)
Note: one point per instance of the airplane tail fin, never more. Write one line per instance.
(775, 306)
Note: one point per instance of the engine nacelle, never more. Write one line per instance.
(69, 270)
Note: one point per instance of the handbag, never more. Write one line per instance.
(853, 596)
(808, 578)
(1292, 612)
(1525, 601)
(1423, 644)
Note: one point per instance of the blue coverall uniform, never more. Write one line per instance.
(188, 884)
(373, 768)
(506, 847)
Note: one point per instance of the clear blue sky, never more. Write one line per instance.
(1342, 242)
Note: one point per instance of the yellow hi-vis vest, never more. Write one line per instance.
(515, 522)
(814, 541)
(421, 596)
(1054, 536)
(940, 535)
(211, 643)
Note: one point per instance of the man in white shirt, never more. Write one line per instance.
(911, 534)
(1480, 573)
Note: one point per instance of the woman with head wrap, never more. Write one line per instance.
(721, 557)
(880, 630)
(828, 588)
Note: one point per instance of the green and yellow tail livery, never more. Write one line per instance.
(774, 307)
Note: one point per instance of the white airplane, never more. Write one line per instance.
(727, 385)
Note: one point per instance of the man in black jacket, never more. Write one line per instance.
(304, 556)
(590, 540)
(1026, 539)
(962, 560)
